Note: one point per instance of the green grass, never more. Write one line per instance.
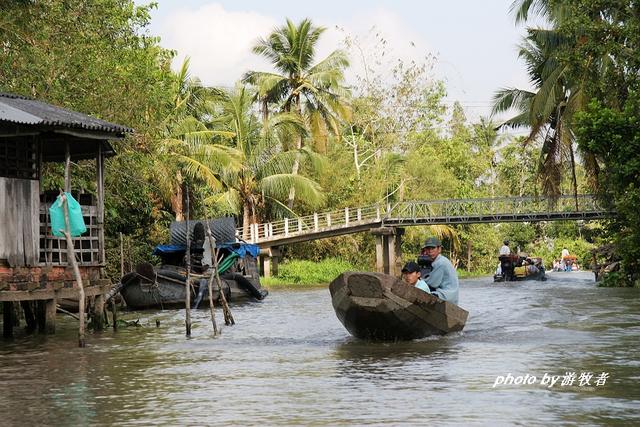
(302, 273)
(307, 273)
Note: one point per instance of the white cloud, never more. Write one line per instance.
(217, 41)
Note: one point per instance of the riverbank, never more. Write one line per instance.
(310, 274)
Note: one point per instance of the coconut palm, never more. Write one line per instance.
(263, 178)
(548, 110)
(558, 94)
(182, 137)
(313, 91)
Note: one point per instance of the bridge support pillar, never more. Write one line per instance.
(388, 249)
(269, 261)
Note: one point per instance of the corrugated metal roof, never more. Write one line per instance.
(22, 110)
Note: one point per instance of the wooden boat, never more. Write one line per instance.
(164, 286)
(377, 306)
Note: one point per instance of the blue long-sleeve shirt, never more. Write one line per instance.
(443, 280)
(421, 284)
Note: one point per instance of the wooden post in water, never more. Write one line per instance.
(71, 258)
(7, 319)
(98, 313)
(71, 254)
(187, 298)
(114, 315)
(211, 306)
(50, 316)
(228, 317)
(121, 256)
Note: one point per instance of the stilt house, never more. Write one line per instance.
(33, 263)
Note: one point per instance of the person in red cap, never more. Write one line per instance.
(411, 275)
(443, 280)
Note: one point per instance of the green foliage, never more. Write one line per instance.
(92, 57)
(550, 249)
(355, 249)
(308, 272)
(614, 136)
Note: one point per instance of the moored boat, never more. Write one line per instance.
(381, 307)
(165, 286)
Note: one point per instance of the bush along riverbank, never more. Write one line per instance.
(307, 273)
(304, 273)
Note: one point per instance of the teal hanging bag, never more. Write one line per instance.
(76, 221)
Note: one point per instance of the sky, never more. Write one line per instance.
(474, 42)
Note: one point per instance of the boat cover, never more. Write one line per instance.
(240, 249)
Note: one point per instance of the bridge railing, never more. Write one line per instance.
(316, 222)
(413, 210)
(491, 206)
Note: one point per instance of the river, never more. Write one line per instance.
(288, 361)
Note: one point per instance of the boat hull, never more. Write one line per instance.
(168, 290)
(540, 275)
(376, 306)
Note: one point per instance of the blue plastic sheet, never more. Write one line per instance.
(241, 249)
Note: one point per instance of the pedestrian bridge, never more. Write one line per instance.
(387, 222)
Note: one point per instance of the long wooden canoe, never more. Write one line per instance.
(377, 306)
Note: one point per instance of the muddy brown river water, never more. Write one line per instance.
(288, 361)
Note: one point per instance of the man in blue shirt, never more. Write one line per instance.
(411, 275)
(443, 279)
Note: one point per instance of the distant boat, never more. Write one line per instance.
(515, 268)
(381, 307)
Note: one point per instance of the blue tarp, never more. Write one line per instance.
(168, 249)
(241, 249)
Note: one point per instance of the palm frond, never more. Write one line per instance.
(307, 190)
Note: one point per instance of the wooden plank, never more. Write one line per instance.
(19, 205)
(46, 294)
(5, 226)
(100, 202)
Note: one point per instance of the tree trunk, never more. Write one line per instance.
(246, 220)
(296, 163)
(573, 175)
(177, 199)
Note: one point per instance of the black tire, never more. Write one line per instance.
(223, 230)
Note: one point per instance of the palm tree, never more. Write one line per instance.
(263, 178)
(559, 93)
(313, 91)
(548, 111)
(180, 135)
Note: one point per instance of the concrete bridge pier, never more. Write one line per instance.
(269, 261)
(388, 249)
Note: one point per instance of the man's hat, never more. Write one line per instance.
(432, 242)
(411, 267)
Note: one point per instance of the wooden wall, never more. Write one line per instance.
(19, 221)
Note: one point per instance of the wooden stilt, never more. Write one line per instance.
(98, 313)
(114, 315)
(211, 306)
(228, 317)
(7, 319)
(50, 316)
(29, 316)
(41, 318)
